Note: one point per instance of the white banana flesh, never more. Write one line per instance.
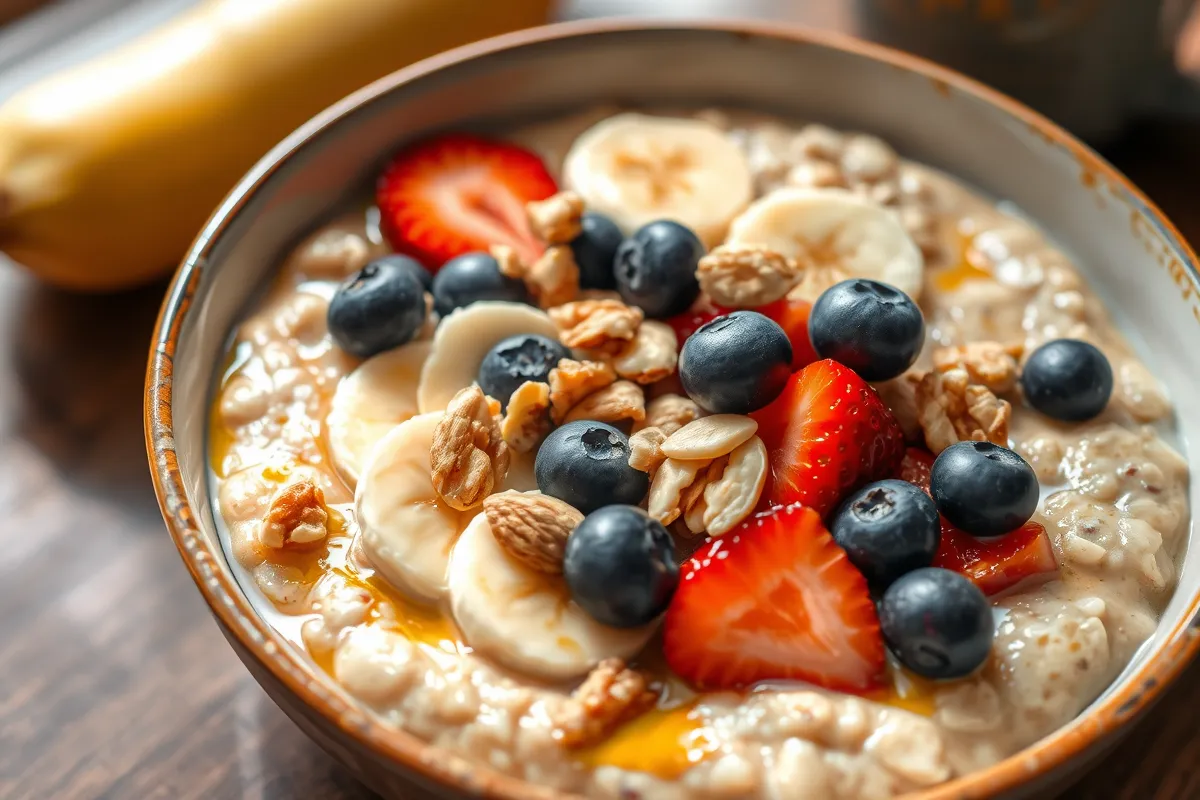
(525, 620)
(637, 168)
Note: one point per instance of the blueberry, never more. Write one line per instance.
(887, 528)
(470, 278)
(937, 623)
(526, 357)
(620, 566)
(871, 327)
(409, 265)
(380, 307)
(656, 268)
(1068, 380)
(586, 464)
(983, 488)
(595, 249)
(735, 364)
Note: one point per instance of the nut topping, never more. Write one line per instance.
(746, 276)
(571, 381)
(952, 409)
(556, 220)
(528, 420)
(297, 516)
(613, 403)
(709, 437)
(611, 694)
(468, 455)
(669, 412)
(651, 356)
(733, 495)
(989, 364)
(531, 527)
(645, 450)
(606, 325)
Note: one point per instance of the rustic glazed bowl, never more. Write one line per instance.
(1130, 251)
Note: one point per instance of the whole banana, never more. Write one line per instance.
(108, 170)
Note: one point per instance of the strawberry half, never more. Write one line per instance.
(1023, 556)
(775, 599)
(826, 434)
(458, 193)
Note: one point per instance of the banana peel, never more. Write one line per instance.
(109, 170)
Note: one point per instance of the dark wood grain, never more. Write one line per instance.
(114, 681)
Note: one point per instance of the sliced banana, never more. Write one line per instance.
(370, 401)
(464, 338)
(637, 168)
(407, 531)
(834, 227)
(523, 619)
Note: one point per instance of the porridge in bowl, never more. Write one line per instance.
(698, 455)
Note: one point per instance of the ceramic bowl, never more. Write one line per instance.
(1129, 250)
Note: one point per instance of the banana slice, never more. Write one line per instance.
(464, 338)
(834, 227)
(407, 531)
(637, 168)
(369, 402)
(523, 619)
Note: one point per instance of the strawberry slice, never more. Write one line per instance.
(826, 434)
(792, 316)
(689, 321)
(1023, 556)
(775, 599)
(457, 193)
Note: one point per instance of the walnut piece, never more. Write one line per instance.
(611, 694)
(645, 450)
(571, 381)
(669, 412)
(747, 276)
(989, 364)
(468, 456)
(527, 420)
(297, 516)
(613, 403)
(531, 527)
(556, 220)
(605, 325)
(952, 409)
(554, 278)
(511, 265)
(651, 356)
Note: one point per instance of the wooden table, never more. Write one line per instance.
(114, 681)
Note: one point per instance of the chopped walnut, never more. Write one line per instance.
(651, 356)
(468, 455)
(554, 277)
(816, 175)
(747, 276)
(297, 516)
(611, 694)
(511, 265)
(669, 412)
(613, 403)
(605, 325)
(645, 450)
(531, 527)
(989, 364)
(952, 409)
(555, 220)
(527, 419)
(571, 381)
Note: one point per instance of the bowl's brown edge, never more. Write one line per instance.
(234, 611)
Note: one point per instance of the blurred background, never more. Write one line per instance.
(114, 682)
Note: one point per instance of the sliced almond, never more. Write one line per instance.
(709, 437)
(732, 497)
(669, 482)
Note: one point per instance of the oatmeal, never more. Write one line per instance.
(838, 484)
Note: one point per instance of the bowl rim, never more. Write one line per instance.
(232, 607)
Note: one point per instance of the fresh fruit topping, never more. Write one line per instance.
(470, 278)
(827, 433)
(694, 318)
(775, 599)
(985, 489)
(620, 566)
(793, 314)
(512, 361)
(1068, 380)
(887, 528)
(937, 623)
(595, 250)
(995, 565)
(871, 327)
(453, 194)
(655, 269)
(833, 228)
(380, 307)
(735, 364)
(638, 168)
(1021, 557)
(586, 464)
